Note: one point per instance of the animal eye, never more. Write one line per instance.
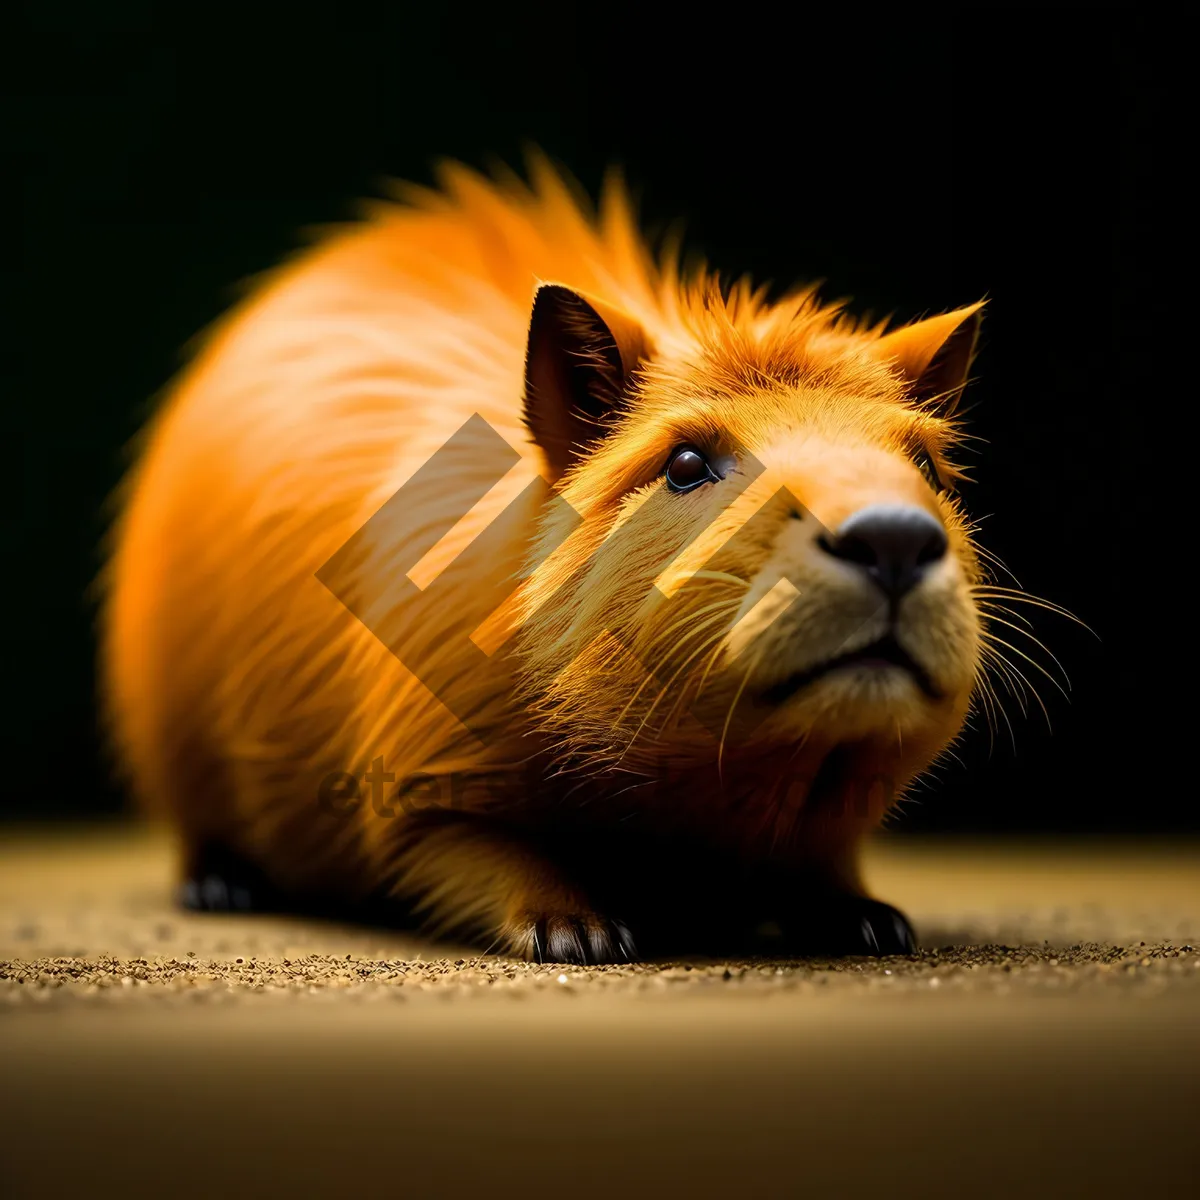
(928, 468)
(687, 468)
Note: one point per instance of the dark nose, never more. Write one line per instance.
(893, 543)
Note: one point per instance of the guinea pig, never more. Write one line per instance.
(487, 569)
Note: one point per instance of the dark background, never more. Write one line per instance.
(917, 161)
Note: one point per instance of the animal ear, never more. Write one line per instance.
(935, 355)
(578, 362)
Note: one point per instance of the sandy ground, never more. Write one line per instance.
(1046, 1039)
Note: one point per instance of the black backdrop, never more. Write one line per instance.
(158, 156)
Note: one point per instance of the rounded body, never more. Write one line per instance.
(340, 514)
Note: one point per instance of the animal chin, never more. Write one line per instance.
(886, 654)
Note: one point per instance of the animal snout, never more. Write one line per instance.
(893, 543)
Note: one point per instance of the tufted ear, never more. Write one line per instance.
(578, 362)
(935, 355)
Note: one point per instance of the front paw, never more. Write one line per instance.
(216, 894)
(845, 926)
(883, 930)
(219, 880)
(584, 939)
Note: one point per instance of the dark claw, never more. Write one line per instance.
(214, 894)
(582, 941)
(847, 926)
(207, 894)
(222, 882)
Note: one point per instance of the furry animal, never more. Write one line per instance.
(487, 567)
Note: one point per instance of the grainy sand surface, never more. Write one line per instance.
(1046, 1040)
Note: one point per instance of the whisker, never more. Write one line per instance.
(1037, 642)
(1002, 665)
(990, 606)
(679, 645)
(729, 716)
(997, 561)
(666, 686)
(686, 693)
(1033, 662)
(692, 629)
(997, 706)
(995, 591)
(1015, 670)
(712, 660)
(722, 577)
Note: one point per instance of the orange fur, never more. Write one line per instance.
(237, 682)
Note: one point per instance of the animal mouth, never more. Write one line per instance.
(884, 654)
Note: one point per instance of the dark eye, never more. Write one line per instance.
(928, 468)
(687, 468)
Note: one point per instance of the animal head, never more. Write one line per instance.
(770, 554)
